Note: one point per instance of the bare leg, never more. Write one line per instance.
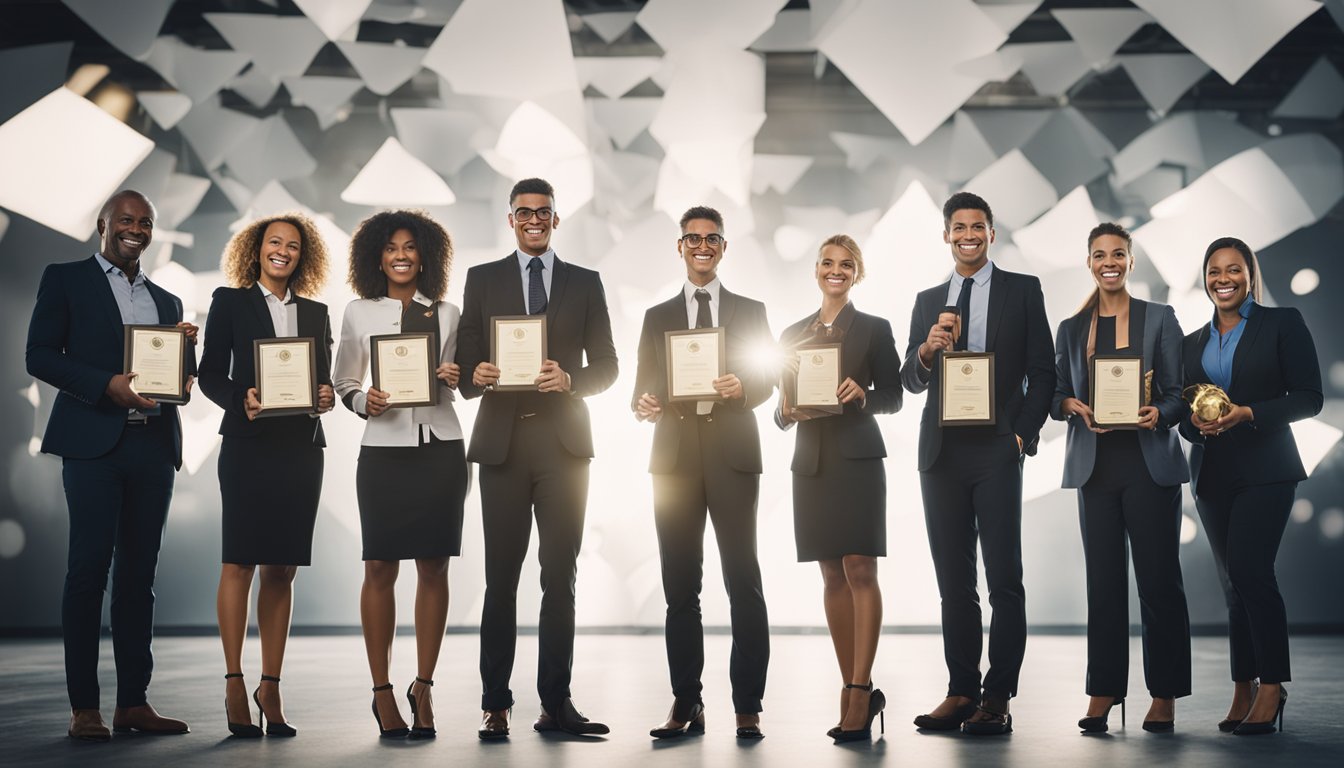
(431, 619)
(839, 605)
(275, 607)
(861, 574)
(231, 603)
(378, 615)
(1243, 693)
(1266, 704)
(1162, 710)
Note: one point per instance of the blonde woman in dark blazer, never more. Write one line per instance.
(839, 478)
(1129, 488)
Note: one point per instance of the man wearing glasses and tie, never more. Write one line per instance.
(706, 463)
(533, 448)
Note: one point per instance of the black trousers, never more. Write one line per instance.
(706, 487)
(118, 504)
(539, 477)
(974, 490)
(1245, 525)
(1119, 501)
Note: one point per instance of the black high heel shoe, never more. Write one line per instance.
(877, 704)
(1228, 725)
(1260, 729)
(1097, 723)
(241, 730)
(386, 733)
(272, 728)
(418, 731)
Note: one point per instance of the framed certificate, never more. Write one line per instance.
(157, 355)
(818, 378)
(1115, 386)
(966, 389)
(695, 359)
(517, 349)
(286, 375)
(403, 367)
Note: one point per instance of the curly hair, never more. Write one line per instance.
(432, 242)
(242, 256)
(846, 242)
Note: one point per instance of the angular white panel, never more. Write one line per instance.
(195, 72)
(625, 180)
(1319, 94)
(165, 107)
(1312, 163)
(614, 76)
(907, 254)
(1099, 32)
(129, 25)
(624, 119)
(1315, 439)
(255, 86)
(469, 55)
(1007, 129)
(1229, 35)
(1014, 189)
(279, 46)
(394, 178)
(687, 25)
(214, 131)
(1068, 150)
(384, 67)
(791, 33)
(445, 139)
(1162, 78)
(1058, 239)
(970, 153)
(1009, 15)
(272, 152)
(336, 18)
(327, 97)
(1196, 140)
(610, 26)
(778, 172)
(1052, 68)
(180, 198)
(862, 151)
(535, 142)
(71, 156)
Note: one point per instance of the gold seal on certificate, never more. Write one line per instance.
(517, 349)
(966, 391)
(695, 359)
(1116, 384)
(403, 366)
(157, 355)
(286, 375)
(818, 379)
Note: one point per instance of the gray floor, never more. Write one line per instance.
(621, 679)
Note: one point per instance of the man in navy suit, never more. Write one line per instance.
(533, 449)
(971, 476)
(119, 450)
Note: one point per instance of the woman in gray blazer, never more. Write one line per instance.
(1129, 485)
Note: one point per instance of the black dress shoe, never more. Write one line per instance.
(690, 714)
(1097, 723)
(1247, 728)
(494, 724)
(950, 723)
(569, 719)
(1159, 726)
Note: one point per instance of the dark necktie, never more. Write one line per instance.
(964, 308)
(702, 316)
(536, 289)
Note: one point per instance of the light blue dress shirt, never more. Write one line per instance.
(974, 327)
(133, 299)
(1222, 348)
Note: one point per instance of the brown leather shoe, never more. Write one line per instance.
(88, 725)
(494, 725)
(145, 720)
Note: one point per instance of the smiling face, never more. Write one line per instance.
(837, 270)
(702, 261)
(969, 233)
(533, 234)
(127, 229)
(401, 259)
(1227, 279)
(1110, 262)
(281, 246)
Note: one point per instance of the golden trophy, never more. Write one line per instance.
(1208, 401)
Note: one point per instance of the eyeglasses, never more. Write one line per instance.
(525, 214)
(694, 240)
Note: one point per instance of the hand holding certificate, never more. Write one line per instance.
(695, 358)
(1117, 391)
(817, 382)
(404, 366)
(286, 376)
(157, 355)
(967, 389)
(518, 349)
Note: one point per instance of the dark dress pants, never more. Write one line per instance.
(1245, 525)
(539, 477)
(1119, 501)
(974, 490)
(705, 486)
(118, 504)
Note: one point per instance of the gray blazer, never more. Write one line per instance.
(1161, 447)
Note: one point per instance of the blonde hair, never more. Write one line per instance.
(846, 242)
(241, 262)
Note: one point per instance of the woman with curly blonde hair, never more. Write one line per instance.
(270, 469)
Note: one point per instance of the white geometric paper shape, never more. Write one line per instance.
(394, 177)
(625, 180)
(614, 76)
(327, 97)
(1318, 95)
(1058, 239)
(862, 151)
(335, 18)
(1315, 439)
(907, 250)
(1099, 32)
(180, 198)
(680, 25)
(70, 156)
(44, 69)
(214, 131)
(129, 25)
(1007, 129)
(537, 59)
(1162, 78)
(383, 66)
(1052, 67)
(272, 152)
(1229, 35)
(196, 72)
(165, 107)
(778, 172)
(970, 152)
(879, 37)
(535, 142)
(279, 46)
(1196, 140)
(1068, 150)
(445, 139)
(1008, 16)
(624, 119)
(1015, 190)
(610, 25)
(255, 86)
(791, 33)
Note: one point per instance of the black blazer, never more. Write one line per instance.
(76, 343)
(1018, 334)
(577, 327)
(1154, 331)
(1274, 371)
(747, 331)
(868, 356)
(238, 316)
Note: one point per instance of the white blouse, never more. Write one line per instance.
(397, 426)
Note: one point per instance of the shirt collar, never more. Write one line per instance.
(712, 286)
(980, 278)
(108, 266)
(547, 259)
(266, 293)
(1244, 310)
(418, 298)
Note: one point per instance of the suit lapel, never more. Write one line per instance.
(1078, 327)
(167, 310)
(727, 306)
(1247, 340)
(100, 289)
(997, 280)
(558, 283)
(257, 302)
